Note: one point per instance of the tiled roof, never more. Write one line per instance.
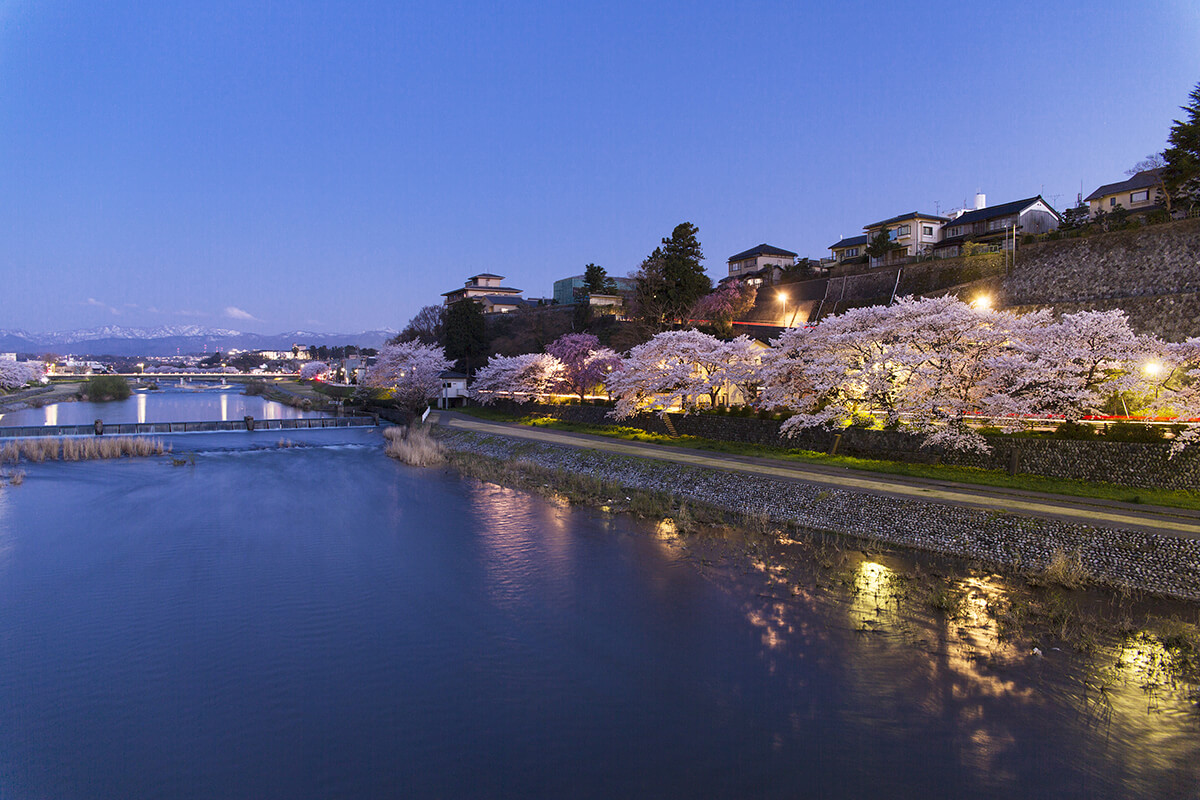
(490, 289)
(992, 212)
(909, 215)
(1145, 179)
(851, 241)
(486, 275)
(763, 250)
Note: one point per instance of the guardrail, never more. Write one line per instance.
(210, 426)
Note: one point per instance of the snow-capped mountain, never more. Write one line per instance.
(164, 340)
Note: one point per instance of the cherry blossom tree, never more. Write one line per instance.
(730, 301)
(522, 378)
(1069, 367)
(927, 363)
(15, 374)
(313, 369)
(669, 370)
(411, 370)
(585, 363)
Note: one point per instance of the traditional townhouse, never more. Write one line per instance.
(998, 225)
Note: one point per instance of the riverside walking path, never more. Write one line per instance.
(1175, 522)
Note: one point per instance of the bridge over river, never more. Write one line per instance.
(99, 428)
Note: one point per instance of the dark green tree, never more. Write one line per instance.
(1182, 172)
(596, 280)
(466, 334)
(671, 280)
(881, 244)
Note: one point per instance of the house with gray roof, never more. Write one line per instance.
(997, 225)
(914, 234)
(758, 265)
(1142, 192)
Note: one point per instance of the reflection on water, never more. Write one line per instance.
(170, 405)
(322, 621)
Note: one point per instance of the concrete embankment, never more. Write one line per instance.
(1116, 546)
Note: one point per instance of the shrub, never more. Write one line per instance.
(102, 388)
(1075, 430)
(256, 388)
(1134, 432)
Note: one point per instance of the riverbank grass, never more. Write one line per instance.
(413, 445)
(80, 449)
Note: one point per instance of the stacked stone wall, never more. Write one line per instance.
(1136, 465)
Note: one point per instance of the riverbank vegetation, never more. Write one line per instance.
(940, 472)
(37, 450)
(413, 445)
(102, 388)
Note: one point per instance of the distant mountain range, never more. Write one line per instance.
(169, 340)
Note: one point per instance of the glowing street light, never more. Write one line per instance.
(783, 298)
(983, 302)
(1152, 369)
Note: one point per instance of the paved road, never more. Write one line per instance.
(1102, 513)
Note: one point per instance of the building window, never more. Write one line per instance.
(1139, 197)
(1112, 202)
(902, 230)
(998, 224)
(850, 252)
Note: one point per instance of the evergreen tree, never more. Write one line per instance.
(466, 335)
(671, 280)
(596, 280)
(1182, 173)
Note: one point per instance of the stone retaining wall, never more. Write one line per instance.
(1124, 463)
(1159, 564)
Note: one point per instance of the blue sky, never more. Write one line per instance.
(335, 166)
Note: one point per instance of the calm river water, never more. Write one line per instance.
(191, 403)
(321, 621)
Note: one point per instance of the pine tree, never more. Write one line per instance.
(1182, 173)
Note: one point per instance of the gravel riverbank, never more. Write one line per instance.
(1124, 559)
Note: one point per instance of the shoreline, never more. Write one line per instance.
(1120, 559)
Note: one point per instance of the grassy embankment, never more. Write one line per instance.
(939, 472)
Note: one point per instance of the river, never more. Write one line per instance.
(257, 616)
(194, 402)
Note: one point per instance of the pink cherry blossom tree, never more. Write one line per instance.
(721, 307)
(313, 369)
(670, 370)
(585, 364)
(523, 378)
(411, 370)
(15, 374)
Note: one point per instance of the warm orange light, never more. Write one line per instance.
(1152, 369)
(783, 298)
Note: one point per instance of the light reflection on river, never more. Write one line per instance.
(321, 621)
(172, 404)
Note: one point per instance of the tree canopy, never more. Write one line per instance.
(672, 278)
(466, 335)
(596, 280)
(1182, 172)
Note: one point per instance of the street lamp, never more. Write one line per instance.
(983, 302)
(783, 298)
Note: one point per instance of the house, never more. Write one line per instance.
(1142, 192)
(568, 291)
(489, 290)
(759, 265)
(997, 225)
(914, 232)
(454, 389)
(852, 249)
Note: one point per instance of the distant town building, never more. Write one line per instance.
(8, 356)
(759, 265)
(488, 290)
(572, 290)
(1142, 192)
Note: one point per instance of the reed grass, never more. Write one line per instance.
(37, 450)
(413, 445)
